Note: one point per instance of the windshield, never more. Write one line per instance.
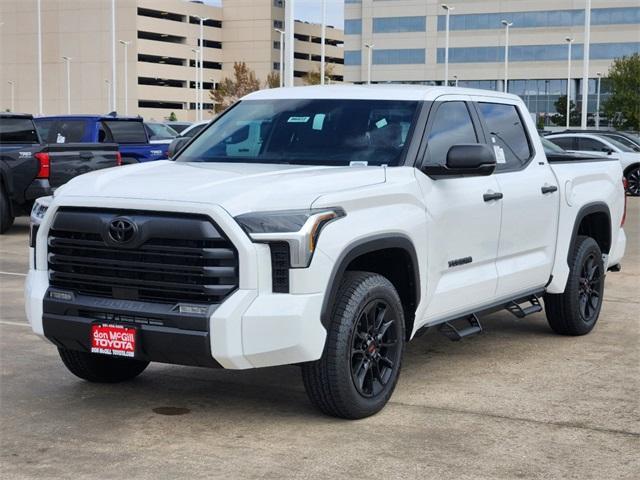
(159, 131)
(307, 132)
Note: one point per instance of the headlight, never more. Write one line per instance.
(40, 207)
(299, 228)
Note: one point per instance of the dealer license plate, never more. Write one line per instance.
(115, 340)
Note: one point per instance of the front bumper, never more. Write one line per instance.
(253, 327)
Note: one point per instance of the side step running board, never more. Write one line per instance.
(521, 312)
(455, 334)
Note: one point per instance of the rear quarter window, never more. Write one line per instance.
(18, 130)
(126, 132)
(507, 131)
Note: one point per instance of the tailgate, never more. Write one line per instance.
(68, 160)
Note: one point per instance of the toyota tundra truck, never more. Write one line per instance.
(325, 227)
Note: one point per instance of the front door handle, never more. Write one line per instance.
(490, 196)
(548, 189)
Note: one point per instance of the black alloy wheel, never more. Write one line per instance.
(633, 182)
(374, 348)
(590, 289)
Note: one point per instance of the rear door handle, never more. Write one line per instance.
(490, 196)
(548, 189)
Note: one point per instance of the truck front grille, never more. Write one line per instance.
(172, 258)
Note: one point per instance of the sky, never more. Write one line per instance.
(311, 11)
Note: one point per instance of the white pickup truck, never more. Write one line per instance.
(325, 227)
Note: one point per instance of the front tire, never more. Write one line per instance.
(576, 311)
(633, 181)
(361, 361)
(98, 368)
(6, 219)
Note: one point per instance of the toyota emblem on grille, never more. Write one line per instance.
(122, 230)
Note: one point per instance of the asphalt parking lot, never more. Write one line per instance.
(515, 402)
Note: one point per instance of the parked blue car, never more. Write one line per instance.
(128, 132)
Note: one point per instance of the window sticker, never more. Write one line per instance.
(500, 158)
(358, 163)
(381, 123)
(298, 119)
(318, 121)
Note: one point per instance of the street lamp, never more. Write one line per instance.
(599, 74)
(281, 32)
(507, 25)
(126, 78)
(585, 62)
(108, 83)
(289, 10)
(67, 60)
(370, 47)
(113, 56)
(569, 41)
(323, 37)
(39, 20)
(446, 43)
(12, 83)
(201, 75)
(196, 52)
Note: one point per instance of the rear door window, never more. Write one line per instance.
(126, 132)
(18, 130)
(54, 130)
(507, 134)
(586, 144)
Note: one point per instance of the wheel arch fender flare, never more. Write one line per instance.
(585, 210)
(362, 247)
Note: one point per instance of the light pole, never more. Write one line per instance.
(599, 74)
(446, 44)
(196, 52)
(126, 77)
(569, 42)
(39, 19)
(585, 61)
(108, 83)
(507, 25)
(289, 10)
(281, 32)
(323, 37)
(67, 61)
(201, 69)
(369, 47)
(12, 83)
(113, 56)
(455, 77)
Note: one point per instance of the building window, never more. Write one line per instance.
(278, 24)
(207, 23)
(402, 56)
(399, 24)
(352, 57)
(276, 45)
(353, 26)
(278, 3)
(161, 37)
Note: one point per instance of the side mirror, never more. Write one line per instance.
(469, 160)
(176, 145)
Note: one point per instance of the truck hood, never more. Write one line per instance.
(238, 188)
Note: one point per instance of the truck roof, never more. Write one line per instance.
(93, 117)
(15, 115)
(372, 92)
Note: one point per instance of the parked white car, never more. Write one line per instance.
(325, 227)
(592, 143)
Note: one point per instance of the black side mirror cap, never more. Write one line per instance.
(465, 160)
(176, 145)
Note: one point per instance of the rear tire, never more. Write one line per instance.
(6, 219)
(360, 365)
(633, 181)
(576, 311)
(98, 368)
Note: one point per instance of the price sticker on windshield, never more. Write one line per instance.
(500, 158)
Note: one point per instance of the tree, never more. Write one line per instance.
(172, 117)
(623, 106)
(560, 118)
(230, 90)
(273, 80)
(313, 77)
